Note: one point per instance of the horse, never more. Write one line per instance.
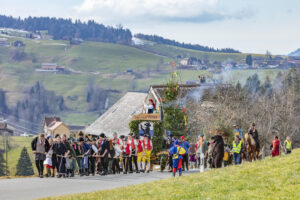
(217, 151)
(251, 149)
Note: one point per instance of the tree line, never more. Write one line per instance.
(273, 105)
(66, 29)
(161, 40)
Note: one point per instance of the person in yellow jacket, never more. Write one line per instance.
(288, 145)
(236, 150)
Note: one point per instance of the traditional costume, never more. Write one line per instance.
(177, 153)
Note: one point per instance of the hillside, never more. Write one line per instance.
(105, 63)
(295, 53)
(272, 178)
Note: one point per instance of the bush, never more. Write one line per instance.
(24, 166)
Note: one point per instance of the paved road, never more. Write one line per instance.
(32, 188)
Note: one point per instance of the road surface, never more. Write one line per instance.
(33, 188)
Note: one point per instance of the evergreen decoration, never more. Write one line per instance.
(157, 139)
(24, 166)
(175, 119)
(2, 163)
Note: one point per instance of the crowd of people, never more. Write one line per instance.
(61, 156)
(88, 155)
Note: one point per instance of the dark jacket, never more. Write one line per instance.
(59, 149)
(34, 141)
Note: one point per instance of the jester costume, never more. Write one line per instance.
(177, 153)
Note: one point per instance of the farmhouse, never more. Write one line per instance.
(58, 128)
(5, 130)
(117, 118)
(52, 67)
(48, 121)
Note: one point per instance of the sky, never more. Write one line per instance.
(251, 26)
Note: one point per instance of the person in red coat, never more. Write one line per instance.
(275, 146)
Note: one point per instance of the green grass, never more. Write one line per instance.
(272, 178)
(14, 153)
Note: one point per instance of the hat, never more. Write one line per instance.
(234, 125)
(137, 137)
(57, 135)
(122, 137)
(176, 142)
(253, 124)
(102, 135)
(80, 139)
(94, 139)
(131, 134)
(201, 135)
(182, 137)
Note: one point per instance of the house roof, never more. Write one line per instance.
(55, 125)
(76, 127)
(49, 120)
(183, 89)
(50, 64)
(117, 118)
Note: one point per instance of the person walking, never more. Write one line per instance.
(177, 153)
(40, 147)
(236, 150)
(61, 152)
(126, 154)
(79, 154)
(148, 149)
(288, 145)
(48, 162)
(104, 154)
(275, 146)
(186, 146)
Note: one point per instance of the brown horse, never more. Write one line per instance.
(250, 143)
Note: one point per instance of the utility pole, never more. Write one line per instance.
(6, 152)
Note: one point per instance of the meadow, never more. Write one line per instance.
(271, 178)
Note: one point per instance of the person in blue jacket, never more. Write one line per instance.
(186, 146)
(177, 153)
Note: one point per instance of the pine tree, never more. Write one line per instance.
(24, 166)
(2, 164)
(175, 119)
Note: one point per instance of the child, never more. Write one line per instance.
(193, 159)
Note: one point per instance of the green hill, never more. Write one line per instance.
(271, 178)
(105, 63)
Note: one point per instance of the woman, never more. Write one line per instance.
(48, 161)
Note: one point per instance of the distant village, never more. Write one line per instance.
(250, 62)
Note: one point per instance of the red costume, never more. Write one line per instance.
(275, 149)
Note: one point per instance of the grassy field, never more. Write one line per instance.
(17, 144)
(271, 178)
(105, 63)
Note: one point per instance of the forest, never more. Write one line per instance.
(66, 29)
(161, 40)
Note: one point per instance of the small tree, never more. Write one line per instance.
(2, 164)
(24, 166)
(249, 60)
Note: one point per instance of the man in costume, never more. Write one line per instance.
(177, 153)
(148, 148)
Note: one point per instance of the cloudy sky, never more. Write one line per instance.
(247, 25)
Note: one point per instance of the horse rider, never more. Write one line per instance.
(254, 134)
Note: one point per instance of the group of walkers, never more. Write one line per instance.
(182, 154)
(88, 155)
